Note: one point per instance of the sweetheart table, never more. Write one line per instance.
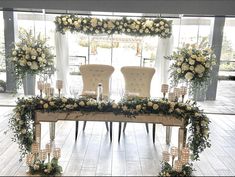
(165, 120)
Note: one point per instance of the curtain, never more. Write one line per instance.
(62, 60)
(165, 47)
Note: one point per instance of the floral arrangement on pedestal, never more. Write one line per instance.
(128, 26)
(192, 64)
(30, 55)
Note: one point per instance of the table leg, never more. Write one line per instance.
(147, 127)
(168, 135)
(154, 128)
(119, 131)
(111, 131)
(76, 129)
(124, 127)
(37, 135)
(52, 130)
(180, 141)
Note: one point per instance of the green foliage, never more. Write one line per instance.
(95, 26)
(22, 120)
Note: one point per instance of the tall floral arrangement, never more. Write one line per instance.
(192, 64)
(30, 55)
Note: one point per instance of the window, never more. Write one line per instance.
(2, 50)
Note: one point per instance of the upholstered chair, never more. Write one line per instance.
(92, 75)
(137, 83)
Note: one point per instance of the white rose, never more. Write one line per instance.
(162, 23)
(33, 57)
(155, 106)
(70, 20)
(162, 27)
(114, 105)
(23, 131)
(191, 68)
(199, 69)
(63, 19)
(14, 53)
(81, 103)
(150, 104)
(23, 62)
(185, 66)
(64, 100)
(138, 107)
(39, 49)
(167, 30)
(189, 76)
(191, 61)
(124, 108)
(34, 65)
(29, 63)
(178, 70)
(45, 106)
(141, 31)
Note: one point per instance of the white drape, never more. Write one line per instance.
(62, 60)
(165, 47)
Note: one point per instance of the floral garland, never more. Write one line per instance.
(192, 63)
(30, 55)
(95, 26)
(22, 119)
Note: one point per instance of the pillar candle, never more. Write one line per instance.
(174, 151)
(178, 166)
(40, 85)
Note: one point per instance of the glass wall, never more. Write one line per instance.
(227, 60)
(2, 50)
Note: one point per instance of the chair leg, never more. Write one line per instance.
(154, 127)
(119, 131)
(84, 125)
(147, 127)
(76, 130)
(52, 130)
(111, 131)
(168, 135)
(107, 126)
(124, 127)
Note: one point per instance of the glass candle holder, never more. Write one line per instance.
(35, 148)
(59, 85)
(43, 155)
(178, 166)
(57, 153)
(29, 159)
(164, 89)
(185, 155)
(48, 148)
(171, 96)
(165, 156)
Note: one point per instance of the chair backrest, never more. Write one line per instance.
(138, 79)
(93, 74)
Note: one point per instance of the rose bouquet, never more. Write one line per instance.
(30, 55)
(192, 64)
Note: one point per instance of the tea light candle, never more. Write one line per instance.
(174, 151)
(164, 88)
(178, 166)
(165, 156)
(48, 148)
(59, 84)
(35, 148)
(43, 155)
(171, 96)
(57, 153)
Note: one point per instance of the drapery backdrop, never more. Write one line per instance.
(62, 60)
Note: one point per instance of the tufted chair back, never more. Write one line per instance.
(138, 79)
(93, 74)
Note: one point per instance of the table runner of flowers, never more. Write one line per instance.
(23, 117)
(128, 26)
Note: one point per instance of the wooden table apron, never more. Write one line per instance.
(165, 120)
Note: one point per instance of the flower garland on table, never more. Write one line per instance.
(95, 26)
(193, 64)
(22, 119)
(30, 55)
